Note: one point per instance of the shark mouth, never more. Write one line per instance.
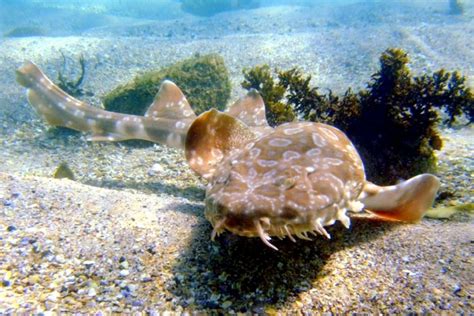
(264, 227)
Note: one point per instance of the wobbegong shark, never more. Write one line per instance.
(292, 180)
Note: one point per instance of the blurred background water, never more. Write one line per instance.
(62, 17)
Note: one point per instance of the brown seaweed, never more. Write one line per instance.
(393, 122)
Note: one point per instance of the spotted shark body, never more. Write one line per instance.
(166, 121)
(292, 180)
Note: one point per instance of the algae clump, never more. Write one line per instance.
(446, 212)
(204, 80)
(63, 171)
(72, 87)
(272, 92)
(392, 123)
(396, 130)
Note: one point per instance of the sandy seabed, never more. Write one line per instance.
(129, 233)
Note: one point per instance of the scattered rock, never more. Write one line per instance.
(89, 264)
(63, 171)
(155, 170)
(92, 292)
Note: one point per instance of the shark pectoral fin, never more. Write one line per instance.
(407, 201)
(250, 109)
(106, 137)
(211, 137)
(170, 103)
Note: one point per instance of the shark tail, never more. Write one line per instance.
(166, 121)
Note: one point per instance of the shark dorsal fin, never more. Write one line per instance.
(250, 109)
(213, 136)
(171, 103)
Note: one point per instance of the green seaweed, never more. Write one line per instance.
(63, 171)
(72, 87)
(260, 79)
(396, 130)
(203, 79)
(457, 98)
(300, 95)
(446, 212)
(393, 122)
(211, 7)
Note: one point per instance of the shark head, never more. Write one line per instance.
(291, 181)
